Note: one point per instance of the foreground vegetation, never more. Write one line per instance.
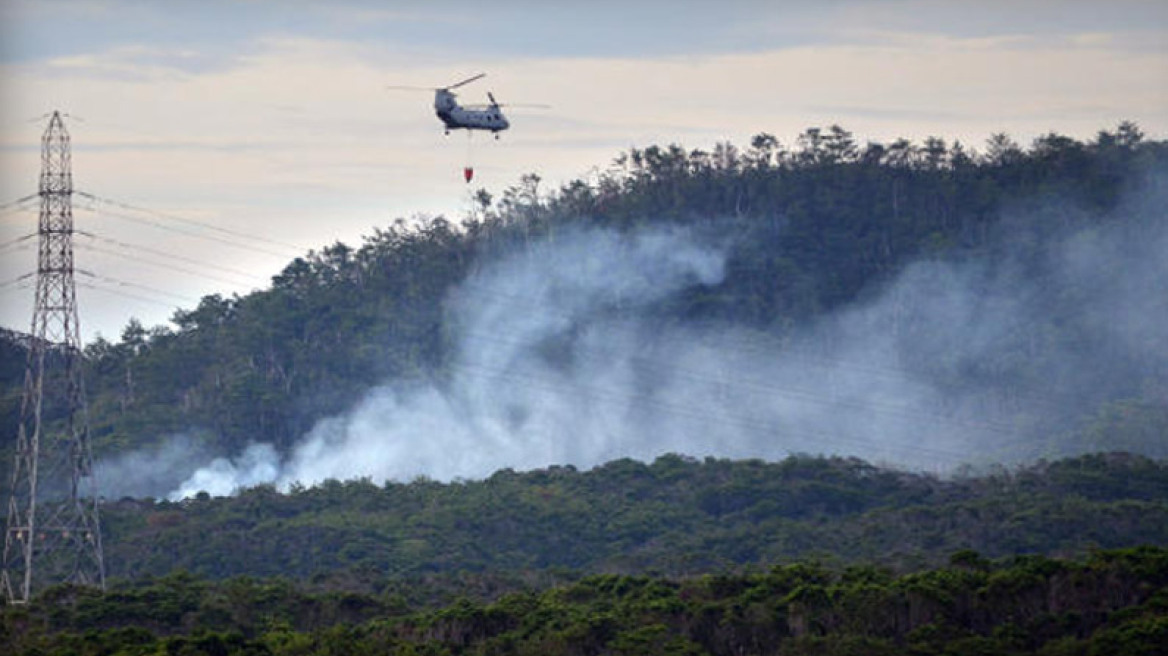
(1110, 602)
(804, 556)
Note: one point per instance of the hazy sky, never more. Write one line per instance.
(270, 122)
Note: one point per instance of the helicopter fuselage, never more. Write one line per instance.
(457, 117)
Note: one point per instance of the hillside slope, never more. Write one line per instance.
(924, 305)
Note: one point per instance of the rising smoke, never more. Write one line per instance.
(564, 357)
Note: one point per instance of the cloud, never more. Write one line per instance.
(140, 63)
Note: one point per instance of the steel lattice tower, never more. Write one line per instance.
(53, 534)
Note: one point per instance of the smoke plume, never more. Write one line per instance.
(565, 356)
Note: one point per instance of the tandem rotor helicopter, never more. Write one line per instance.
(487, 118)
(454, 116)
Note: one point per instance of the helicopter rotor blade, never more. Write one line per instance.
(481, 106)
(491, 96)
(466, 81)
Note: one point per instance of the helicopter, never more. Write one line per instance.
(470, 117)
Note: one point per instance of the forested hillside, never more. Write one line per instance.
(565, 423)
(807, 237)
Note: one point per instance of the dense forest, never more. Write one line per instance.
(803, 556)
(676, 516)
(699, 403)
(1110, 602)
(805, 233)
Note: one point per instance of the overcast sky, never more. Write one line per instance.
(240, 133)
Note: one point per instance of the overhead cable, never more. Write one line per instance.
(200, 224)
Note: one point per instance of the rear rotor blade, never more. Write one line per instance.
(467, 81)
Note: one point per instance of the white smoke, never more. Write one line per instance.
(152, 471)
(543, 372)
(258, 464)
(564, 356)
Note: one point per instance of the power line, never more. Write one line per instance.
(123, 283)
(160, 265)
(719, 417)
(756, 347)
(17, 210)
(189, 233)
(129, 295)
(169, 266)
(16, 280)
(739, 387)
(19, 201)
(170, 256)
(18, 240)
(200, 224)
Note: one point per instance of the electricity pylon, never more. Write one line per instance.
(53, 534)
